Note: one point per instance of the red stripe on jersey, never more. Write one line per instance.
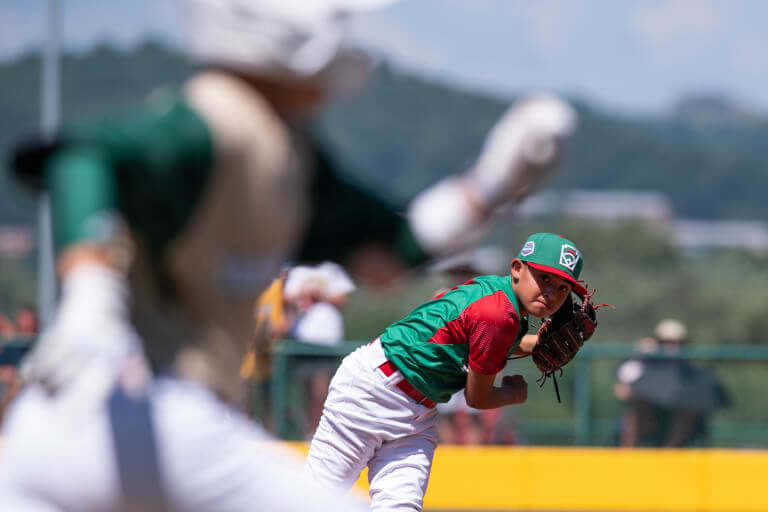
(489, 325)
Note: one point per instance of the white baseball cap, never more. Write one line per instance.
(283, 39)
(338, 281)
(671, 330)
(327, 279)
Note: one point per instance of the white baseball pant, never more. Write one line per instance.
(75, 449)
(58, 454)
(368, 421)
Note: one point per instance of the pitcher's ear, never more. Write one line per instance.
(516, 268)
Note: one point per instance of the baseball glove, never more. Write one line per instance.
(563, 334)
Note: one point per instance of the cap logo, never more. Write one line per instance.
(528, 248)
(569, 257)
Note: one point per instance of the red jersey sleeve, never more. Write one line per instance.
(492, 325)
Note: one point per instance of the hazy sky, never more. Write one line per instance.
(633, 55)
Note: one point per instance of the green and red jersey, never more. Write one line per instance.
(475, 325)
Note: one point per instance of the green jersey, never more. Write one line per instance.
(475, 325)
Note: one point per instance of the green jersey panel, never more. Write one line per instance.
(475, 325)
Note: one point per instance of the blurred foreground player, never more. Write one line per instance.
(169, 222)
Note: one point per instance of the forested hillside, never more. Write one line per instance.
(100, 81)
(404, 131)
(407, 131)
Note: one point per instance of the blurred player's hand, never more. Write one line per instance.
(515, 386)
(521, 150)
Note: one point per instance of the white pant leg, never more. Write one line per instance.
(399, 472)
(58, 454)
(13, 498)
(215, 459)
(334, 464)
(364, 413)
(341, 445)
(57, 449)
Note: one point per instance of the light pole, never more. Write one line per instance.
(50, 115)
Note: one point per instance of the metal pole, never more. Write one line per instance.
(50, 115)
(583, 400)
(279, 395)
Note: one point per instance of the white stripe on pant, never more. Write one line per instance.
(368, 421)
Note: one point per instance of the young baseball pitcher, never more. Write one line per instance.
(380, 411)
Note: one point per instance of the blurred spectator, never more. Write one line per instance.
(26, 322)
(272, 320)
(7, 329)
(305, 304)
(458, 422)
(668, 401)
(318, 295)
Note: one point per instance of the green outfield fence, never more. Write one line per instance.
(589, 413)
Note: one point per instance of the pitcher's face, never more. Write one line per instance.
(540, 293)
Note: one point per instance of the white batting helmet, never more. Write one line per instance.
(283, 39)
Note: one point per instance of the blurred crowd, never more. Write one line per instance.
(668, 401)
(22, 324)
